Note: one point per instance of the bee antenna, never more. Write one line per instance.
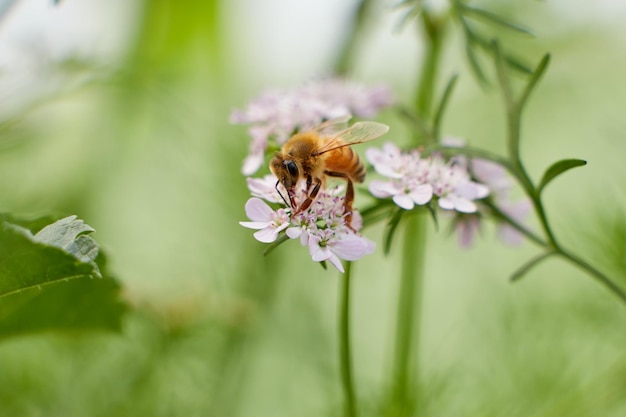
(281, 194)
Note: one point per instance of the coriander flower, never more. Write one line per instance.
(269, 222)
(407, 171)
(499, 183)
(414, 180)
(321, 228)
(276, 115)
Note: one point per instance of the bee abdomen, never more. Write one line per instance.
(357, 170)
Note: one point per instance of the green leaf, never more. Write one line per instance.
(475, 64)
(557, 169)
(443, 104)
(523, 270)
(391, 229)
(52, 280)
(534, 79)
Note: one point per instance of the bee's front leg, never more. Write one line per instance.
(310, 195)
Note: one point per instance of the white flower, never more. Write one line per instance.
(265, 188)
(325, 245)
(408, 173)
(269, 222)
(322, 227)
(415, 181)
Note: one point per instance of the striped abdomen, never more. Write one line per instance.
(345, 161)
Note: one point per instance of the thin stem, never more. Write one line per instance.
(557, 249)
(408, 317)
(599, 276)
(345, 358)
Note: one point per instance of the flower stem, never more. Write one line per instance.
(557, 249)
(345, 358)
(408, 318)
(433, 29)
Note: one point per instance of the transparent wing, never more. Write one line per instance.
(357, 133)
(333, 126)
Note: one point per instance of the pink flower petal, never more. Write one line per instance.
(404, 201)
(422, 194)
(464, 205)
(258, 211)
(254, 225)
(252, 163)
(267, 235)
(294, 232)
(353, 247)
(382, 189)
(336, 263)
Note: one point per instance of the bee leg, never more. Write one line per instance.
(310, 198)
(349, 198)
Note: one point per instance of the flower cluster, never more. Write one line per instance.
(276, 115)
(456, 184)
(414, 180)
(322, 228)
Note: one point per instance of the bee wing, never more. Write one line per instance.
(333, 126)
(357, 133)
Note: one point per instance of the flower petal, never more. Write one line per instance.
(404, 201)
(336, 263)
(255, 225)
(258, 211)
(267, 235)
(464, 205)
(382, 189)
(422, 194)
(352, 247)
(252, 163)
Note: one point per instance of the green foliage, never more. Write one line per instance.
(557, 169)
(51, 279)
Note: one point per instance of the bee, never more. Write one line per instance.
(320, 153)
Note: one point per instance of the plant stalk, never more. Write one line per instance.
(345, 357)
(406, 356)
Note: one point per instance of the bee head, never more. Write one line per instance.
(288, 174)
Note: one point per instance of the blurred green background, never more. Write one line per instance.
(118, 112)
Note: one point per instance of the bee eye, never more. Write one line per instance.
(292, 168)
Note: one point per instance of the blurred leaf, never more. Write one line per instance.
(557, 169)
(492, 18)
(475, 64)
(534, 79)
(433, 214)
(391, 229)
(442, 105)
(51, 280)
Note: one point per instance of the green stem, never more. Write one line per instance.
(599, 276)
(346, 55)
(426, 87)
(345, 358)
(408, 317)
(555, 248)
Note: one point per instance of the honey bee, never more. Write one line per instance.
(317, 154)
